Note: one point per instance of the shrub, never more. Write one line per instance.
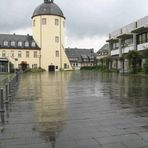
(146, 66)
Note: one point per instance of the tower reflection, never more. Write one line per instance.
(50, 109)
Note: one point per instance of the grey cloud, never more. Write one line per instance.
(16, 14)
(93, 17)
(84, 18)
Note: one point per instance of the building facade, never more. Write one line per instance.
(44, 49)
(18, 49)
(48, 24)
(133, 36)
(81, 57)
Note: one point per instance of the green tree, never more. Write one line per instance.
(134, 58)
(146, 66)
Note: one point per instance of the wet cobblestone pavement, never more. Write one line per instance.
(77, 110)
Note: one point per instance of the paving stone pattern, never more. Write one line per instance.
(77, 110)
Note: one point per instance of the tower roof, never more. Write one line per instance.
(48, 8)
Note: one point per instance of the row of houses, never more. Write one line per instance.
(20, 49)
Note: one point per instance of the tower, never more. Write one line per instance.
(48, 31)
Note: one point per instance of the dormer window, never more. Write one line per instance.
(33, 44)
(26, 44)
(12, 43)
(5, 43)
(20, 44)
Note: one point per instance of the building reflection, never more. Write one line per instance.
(50, 108)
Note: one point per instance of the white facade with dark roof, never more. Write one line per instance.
(103, 52)
(81, 57)
(16, 49)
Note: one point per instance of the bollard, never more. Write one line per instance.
(9, 88)
(2, 116)
(1, 100)
(6, 94)
(9, 91)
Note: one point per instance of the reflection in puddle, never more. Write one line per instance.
(50, 108)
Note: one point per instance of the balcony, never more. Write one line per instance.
(127, 49)
(142, 46)
(114, 52)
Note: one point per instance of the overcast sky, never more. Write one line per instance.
(88, 22)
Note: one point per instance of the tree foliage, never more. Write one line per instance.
(134, 58)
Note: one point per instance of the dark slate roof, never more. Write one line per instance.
(104, 48)
(16, 39)
(48, 8)
(79, 54)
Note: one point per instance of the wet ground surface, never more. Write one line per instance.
(77, 110)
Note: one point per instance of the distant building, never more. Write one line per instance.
(44, 49)
(81, 57)
(133, 36)
(103, 51)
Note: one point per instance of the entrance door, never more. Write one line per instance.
(51, 68)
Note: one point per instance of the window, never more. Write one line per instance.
(3, 53)
(12, 43)
(56, 67)
(57, 53)
(5, 43)
(19, 44)
(34, 23)
(35, 54)
(33, 44)
(57, 39)
(19, 54)
(12, 54)
(56, 22)
(27, 54)
(143, 38)
(43, 21)
(26, 44)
